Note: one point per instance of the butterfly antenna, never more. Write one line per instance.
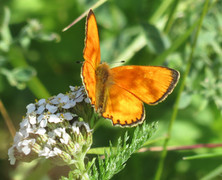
(118, 62)
(79, 62)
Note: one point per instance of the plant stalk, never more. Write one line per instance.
(175, 108)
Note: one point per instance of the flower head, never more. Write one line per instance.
(51, 129)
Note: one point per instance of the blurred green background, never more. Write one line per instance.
(37, 60)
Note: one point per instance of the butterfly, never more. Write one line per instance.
(118, 93)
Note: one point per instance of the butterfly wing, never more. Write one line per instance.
(91, 52)
(89, 81)
(123, 108)
(151, 84)
(91, 55)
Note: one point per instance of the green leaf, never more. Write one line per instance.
(184, 100)
(214, 174)
(19, 76)
(115, 161)
(23, 74)
(5, 33)
(202, 156)
(137, 44)
(17, 60)
(99, 151)
(3, 60)
(156, 41)
(176, 44)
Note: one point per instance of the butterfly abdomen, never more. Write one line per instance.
(103, 82)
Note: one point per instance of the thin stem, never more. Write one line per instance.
(78, 167)
(7, 119)
(82, 168)
(171, 16)
(160, 10)
(177, 148)
(97, 4)
(203, 156)
(177, 43)
(175, 108)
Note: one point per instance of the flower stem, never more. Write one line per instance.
(79, 169)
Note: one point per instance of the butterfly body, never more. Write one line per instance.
(118, 93)
(103, 82)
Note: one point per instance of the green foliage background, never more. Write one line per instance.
(35, 64)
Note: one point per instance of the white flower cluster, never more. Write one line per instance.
(48, 129)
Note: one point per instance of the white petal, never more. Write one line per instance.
(59, 97)
(28, 142)
(51, 141)
(39, 118)
(29, 130)
(64, 99)
(51, 154)
(65, 138)
(66, 106)
(72, 88)
(72, 103)
(79, 92)
(54, 101)
(11, 155)
(24, 132)
(75, 129)
(40, 109)
(79, 98)
(41, 102)
(26, 150)
(68, 116)
(87, 100)
(24, 123)
(58, 131)
(18, 137)
(43, 123)
(57, 150)
(41, 131)
(44, 152)
(52, 109)
(30, 108)
(54, 118)
(32, 119)
(86, 126)
(79, 124)
(82, 88)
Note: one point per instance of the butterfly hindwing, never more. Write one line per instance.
(123, 108)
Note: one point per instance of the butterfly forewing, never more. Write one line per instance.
(91, 55)
(91, 51)
(89, 80)
(151, 84)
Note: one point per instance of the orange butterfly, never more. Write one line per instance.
(117, 93)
